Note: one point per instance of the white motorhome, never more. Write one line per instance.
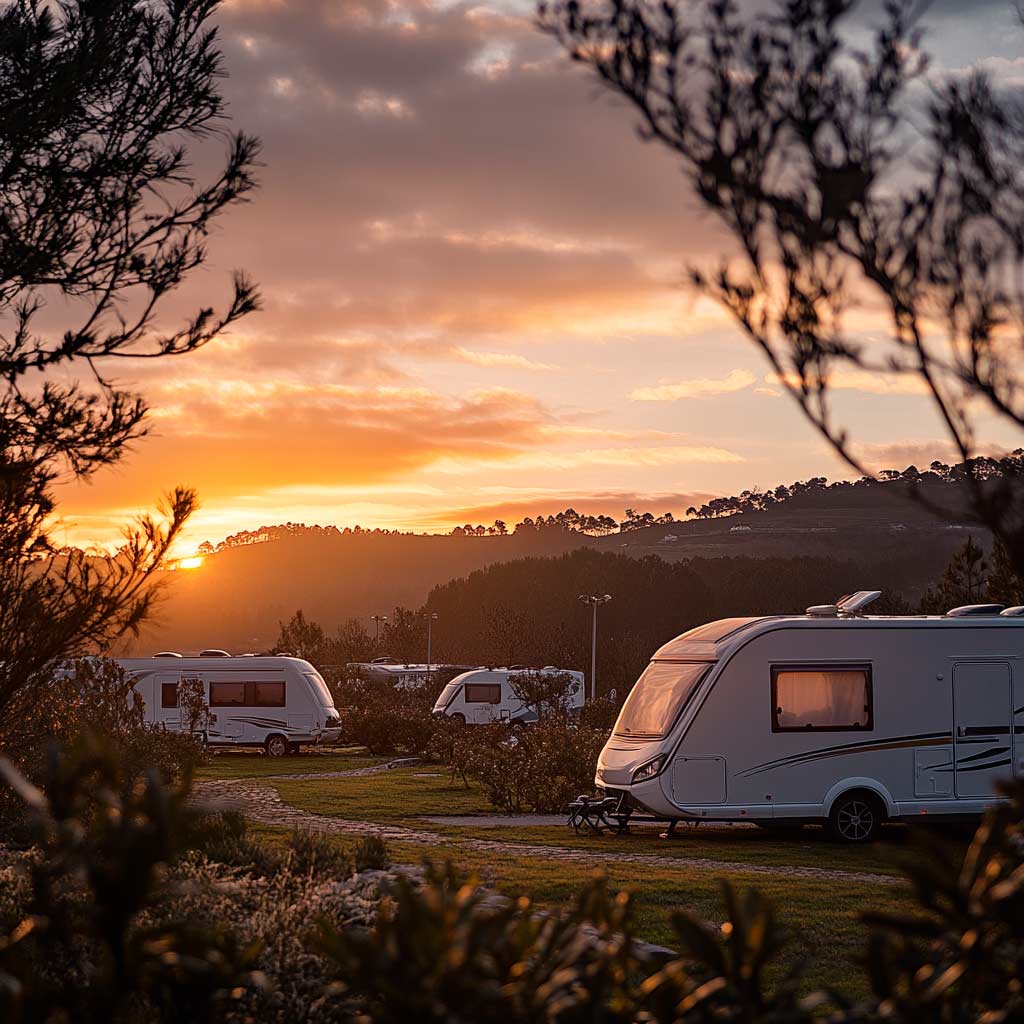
(485, 695)
(274, 702)
(833, 717)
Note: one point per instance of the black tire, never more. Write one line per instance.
(458, 719)
(855, 818)
(276, 746)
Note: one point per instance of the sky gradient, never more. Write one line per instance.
(474, 304)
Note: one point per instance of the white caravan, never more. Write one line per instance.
(485, 695)
(831, 717)
(398, 674)
(276, 703)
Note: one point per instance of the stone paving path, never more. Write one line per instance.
(261, 802)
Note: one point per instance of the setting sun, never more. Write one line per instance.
(193, 562)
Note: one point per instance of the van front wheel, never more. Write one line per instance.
(855, 818)
(276, 746)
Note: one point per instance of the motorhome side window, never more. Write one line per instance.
(835, 698)
(483, 693)
(168, 695)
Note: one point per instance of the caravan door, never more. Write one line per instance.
(982, 727)
(165, 700)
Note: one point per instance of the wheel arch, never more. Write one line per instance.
(860, 784)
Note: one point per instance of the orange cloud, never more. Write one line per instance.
(737, 380)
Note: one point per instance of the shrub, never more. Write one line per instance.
(223, 837)
(961, 955)
(599, 714)
(538, 768)
(545, 692)
(385, 719)
(313, 853)
(81, 950)
(448, 952)
(371, 854)
(92, 696)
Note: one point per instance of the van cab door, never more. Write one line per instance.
(982, 727)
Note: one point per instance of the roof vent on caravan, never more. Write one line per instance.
(214, 652)
(823, 611)
(974, 609)
(850, 604)
(1014, 612)
(167, 654)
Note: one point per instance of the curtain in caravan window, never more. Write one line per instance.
(822, 699)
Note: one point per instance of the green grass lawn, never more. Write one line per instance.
(406, 795)
(402, 795)
(252, 764)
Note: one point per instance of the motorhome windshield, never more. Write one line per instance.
(657, 698)
(320, 689)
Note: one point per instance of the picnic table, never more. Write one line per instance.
(589, 815)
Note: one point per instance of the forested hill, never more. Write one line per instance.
(528, 612)
(243, 590)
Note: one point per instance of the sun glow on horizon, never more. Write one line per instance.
(192, 562)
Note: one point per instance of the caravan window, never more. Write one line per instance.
(168, 695)
(659, 695)
(483, 693)
(836, 698)
(268, 695)
(323, 695)
(227, 695)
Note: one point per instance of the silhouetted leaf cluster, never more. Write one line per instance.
(841, 182)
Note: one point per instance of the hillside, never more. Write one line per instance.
(240, 594)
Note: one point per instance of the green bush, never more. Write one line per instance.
(599, 714)
(313, 853)
(538, 768)
(223, 837)
(93, 696)
(81, 949)
(384, 719)
(371, 854)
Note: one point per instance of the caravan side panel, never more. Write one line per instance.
(794, 768)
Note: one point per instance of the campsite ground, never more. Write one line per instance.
(820, 889)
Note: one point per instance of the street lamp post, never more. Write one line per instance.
(377, 620)
(431, 619)
(594, 600)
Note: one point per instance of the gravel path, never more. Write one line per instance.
(262, 803)
(497, 820)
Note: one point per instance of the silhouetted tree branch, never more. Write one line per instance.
(100, 211)
(841, 190)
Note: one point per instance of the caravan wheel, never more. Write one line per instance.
(855, 818)
(276, 746)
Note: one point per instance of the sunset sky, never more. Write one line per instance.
(472, 274)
